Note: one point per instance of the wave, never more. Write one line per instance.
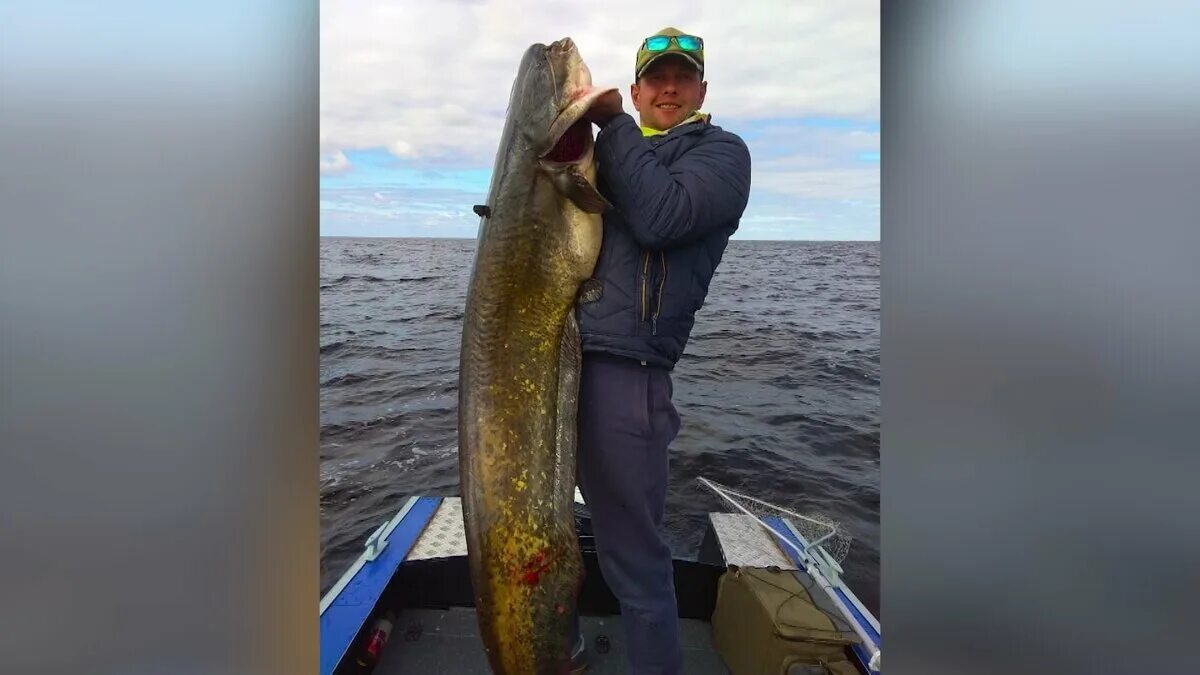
(777, 389)
(343, 348)
(346, 380)
(372, 279)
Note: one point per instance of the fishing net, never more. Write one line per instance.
(814, 529)
(820, 541)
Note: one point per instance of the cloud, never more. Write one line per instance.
(845, 184)
(815, 159)
(414, 95)
(398, 211)
(431, 80)
(334, 163)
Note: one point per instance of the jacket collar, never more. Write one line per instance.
(697, 116)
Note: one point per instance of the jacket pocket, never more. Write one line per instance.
(662, 283)
(643, 286)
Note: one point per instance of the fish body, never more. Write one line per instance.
(539, 238)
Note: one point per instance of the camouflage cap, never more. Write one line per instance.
(646, 57)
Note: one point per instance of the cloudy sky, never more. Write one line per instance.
(413, 96)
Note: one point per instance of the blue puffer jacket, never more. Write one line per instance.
(677, 197)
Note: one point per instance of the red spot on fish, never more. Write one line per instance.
(560, 609)
(531, 573)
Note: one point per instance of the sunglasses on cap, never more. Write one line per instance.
(658, 43)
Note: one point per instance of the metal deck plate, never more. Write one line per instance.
(444, 537)
(744, 543)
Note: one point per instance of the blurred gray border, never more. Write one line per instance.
(1040, 320)
(159, 337)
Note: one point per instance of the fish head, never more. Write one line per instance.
(571, 74)
(550, 97)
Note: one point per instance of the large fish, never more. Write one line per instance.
(519, 369)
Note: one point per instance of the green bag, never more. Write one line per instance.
(778, 622)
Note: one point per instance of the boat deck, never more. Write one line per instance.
(447, 641)
(416, 566)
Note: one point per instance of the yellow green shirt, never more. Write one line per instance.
(647, 131)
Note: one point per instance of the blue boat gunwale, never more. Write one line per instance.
(784, 530)
(350, 602)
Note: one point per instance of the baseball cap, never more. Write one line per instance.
(674, 37)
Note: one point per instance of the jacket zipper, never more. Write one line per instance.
(661, 282)
(645, 273)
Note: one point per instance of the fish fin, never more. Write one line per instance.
(569, 359)
(482, 210)
(572, 184)
(566, 477)
(584, 194)
(590, 291)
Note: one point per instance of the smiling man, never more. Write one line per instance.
(679, 185)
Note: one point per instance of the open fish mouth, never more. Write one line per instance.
(564, 45)
(570, 135)
(573, 145)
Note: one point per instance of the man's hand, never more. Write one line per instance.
(608, 106)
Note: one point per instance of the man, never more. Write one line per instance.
(679, 185)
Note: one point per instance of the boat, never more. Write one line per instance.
(413, 575)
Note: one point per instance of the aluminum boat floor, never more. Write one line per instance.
(447, 641)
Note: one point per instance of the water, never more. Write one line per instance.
(778, 388)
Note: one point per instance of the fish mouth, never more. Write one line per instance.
(572, 146)
(570, 135)
(563, 45)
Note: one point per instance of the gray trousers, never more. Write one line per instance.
(626, 422)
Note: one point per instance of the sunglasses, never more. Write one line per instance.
(658, 43)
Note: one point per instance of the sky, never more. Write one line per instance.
(413, 98)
